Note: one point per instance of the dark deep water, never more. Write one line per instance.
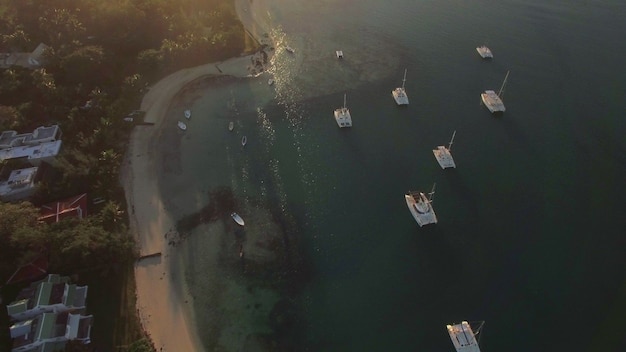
(531, 235)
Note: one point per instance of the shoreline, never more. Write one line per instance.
(162, 307)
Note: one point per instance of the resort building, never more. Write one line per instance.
(75, 207)
(43, 144)
(54, 294)
(20, 184)
(50, 332)
(30, 60)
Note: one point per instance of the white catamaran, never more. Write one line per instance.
(342, 115)
(484, 52)
(399, 94)
(421, 207)
(443, 155)
(463, 337)
(492, 100)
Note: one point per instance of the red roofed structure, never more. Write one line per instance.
(67, 208)
(34, 270)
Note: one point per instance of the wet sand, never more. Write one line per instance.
(163, 307)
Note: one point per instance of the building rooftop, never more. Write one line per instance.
(9, 139)
(71, 207)
(18, 181)
(31, 152)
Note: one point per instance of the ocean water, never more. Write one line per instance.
(531, 238)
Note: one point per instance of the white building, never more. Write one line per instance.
(43, 144)
(54, 294)
(20, 184)
(50, 332)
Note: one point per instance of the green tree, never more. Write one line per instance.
(142, 345)
(79, 245)
(22, 236)
(10, 118)
(63, 27)
(83, 65)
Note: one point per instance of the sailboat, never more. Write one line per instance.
(399, 94)
(421, 207)
(342, 115)
(492, 100)
(463, 337)
(443, 155)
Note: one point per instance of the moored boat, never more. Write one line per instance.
(421, 207)
(464, 337)
(188, 114)
(493, 101)
(237, 219)
(484, 52)
(342, 115)
(444, 156)
(244, 141)
(399, 94)
(182, 125)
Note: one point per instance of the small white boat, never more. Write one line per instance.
(182, 125)
(399, 94)
(421, 207)
(270, 81)
(342, 115)
(463, 337)
(443, 155)
(231, 126)
(244, 140)
(237, 219)
(493, 101)
(339, 54)
(290, 49)
(188, 114)
(484, 52)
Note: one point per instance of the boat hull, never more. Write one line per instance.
(421, 217)
(444, 157)
(484, 52)
(492, 101)
(343, 118)
(399, 95)
(463, 338)
(237, 219)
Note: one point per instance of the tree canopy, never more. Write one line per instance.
(99, 58)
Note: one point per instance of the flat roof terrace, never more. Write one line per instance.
(10, 139)
(31, 152)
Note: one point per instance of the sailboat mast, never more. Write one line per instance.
(432, 192)
(451, 141)
(404, 79)
(503, 84)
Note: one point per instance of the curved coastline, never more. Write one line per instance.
(164, 308)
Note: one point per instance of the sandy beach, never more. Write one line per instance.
(164, 311)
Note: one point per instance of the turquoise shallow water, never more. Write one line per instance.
(531, 232)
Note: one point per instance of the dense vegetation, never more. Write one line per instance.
(101, 56)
